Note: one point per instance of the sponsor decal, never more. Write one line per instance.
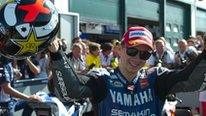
(118, 112)
(117, 84)
(113, 77)
(131, 87)
(136, 34)
(62, 85)
(33, 10)
(161, 70)
(133, 99)
(31, 44)
(144, 83)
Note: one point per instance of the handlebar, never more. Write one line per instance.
(172, 97)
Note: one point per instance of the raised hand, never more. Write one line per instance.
(54, 46)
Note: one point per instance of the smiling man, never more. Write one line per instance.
(130, 89)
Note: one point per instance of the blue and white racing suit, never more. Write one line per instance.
(113, 95)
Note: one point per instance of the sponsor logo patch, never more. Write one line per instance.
(144, 83)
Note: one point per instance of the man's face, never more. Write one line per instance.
(132, 63)
(159, 46)
(77, 51)
(107, 53)
(64, 45)
(182, 46)
(96, 52)
(190, 43)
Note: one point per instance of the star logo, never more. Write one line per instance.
(33, 10)
(31, 44)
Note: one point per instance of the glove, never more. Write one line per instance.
(54, 46)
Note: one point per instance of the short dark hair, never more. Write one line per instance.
(93, 46)
(106, 46)
(76, 39)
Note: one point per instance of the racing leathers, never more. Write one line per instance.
(114, 95)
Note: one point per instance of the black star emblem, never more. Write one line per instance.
(23, 29)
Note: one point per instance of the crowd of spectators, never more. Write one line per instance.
(85, 55)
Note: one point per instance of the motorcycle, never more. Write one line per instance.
(52, 106)
(170, 107)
